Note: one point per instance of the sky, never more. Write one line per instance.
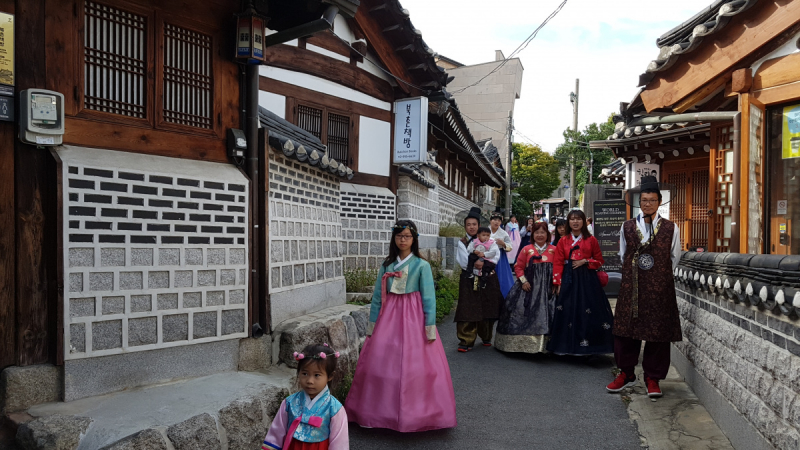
(606, 44)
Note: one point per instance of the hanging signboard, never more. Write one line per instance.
(791, 132)
(609, 215)
(411, 130)
(6, 49)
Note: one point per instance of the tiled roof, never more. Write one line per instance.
(687, 36)
(614, 170)
(299, 144)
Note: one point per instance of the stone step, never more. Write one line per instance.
(229, 410)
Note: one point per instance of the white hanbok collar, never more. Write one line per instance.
(400, 262)
(574, 239)
(310, 402)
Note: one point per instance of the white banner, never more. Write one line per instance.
(411, 130)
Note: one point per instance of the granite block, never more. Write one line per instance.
(142, 331)
(242, 277)
(276, 252)
(158, 280)
(167, 301)
(106, 335)
(193, 256)
(113, 305)
(312, 250)
(169, 257)
(328, 269)
(287, 251)
(141, 303)
(233, 321)
(131, 280)
(303, 250)
(82, 307)
(237, 256)
(77, 337)
(26, 386)
(293, 250)
(204, 324)
(112, 257)
(76, 282)
(81, 257)
(236, 297)
(101, 281)
(192, 299)
(215, 298)
(206, 277)
(275, 277)
(311, 272)
(286, 276)
(215, 256)
(175, 328)
(184, 278)
(299, 274)
(227, 277)
(141, 256)
(320, 271)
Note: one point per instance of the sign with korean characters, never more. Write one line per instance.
(609, 215)
(411, 130)
(791, 132)
(6, 49)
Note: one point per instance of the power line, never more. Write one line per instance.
(519, 49)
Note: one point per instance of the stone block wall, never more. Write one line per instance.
(368, 214)
(155, 252)
(304, 238)
(742, 336)
(420, 204)
(451, 204)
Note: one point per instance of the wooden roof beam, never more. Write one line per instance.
(383, 48)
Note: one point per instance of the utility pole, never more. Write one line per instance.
(508, 166)
(572, 191)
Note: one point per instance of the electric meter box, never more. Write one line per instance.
(41, 114)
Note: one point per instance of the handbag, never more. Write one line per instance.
(602, 277)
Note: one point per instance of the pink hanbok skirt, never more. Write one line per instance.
(402, 382)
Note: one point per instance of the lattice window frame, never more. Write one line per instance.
(154, 44)
(723, 182)
(324, 132)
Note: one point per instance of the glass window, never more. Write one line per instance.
(783, 201)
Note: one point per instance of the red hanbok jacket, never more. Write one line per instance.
(589, 249)
(530, 251)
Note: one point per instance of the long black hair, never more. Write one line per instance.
(585, 228)
(394, 251)
(560, 223)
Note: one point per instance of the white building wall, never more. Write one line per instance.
(275, 103)
(374, 146)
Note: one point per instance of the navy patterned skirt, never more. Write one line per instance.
(583, 319)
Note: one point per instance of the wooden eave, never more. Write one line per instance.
(696, 136)
(744, 40)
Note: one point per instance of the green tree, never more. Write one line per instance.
(575, 148)
(536, 171)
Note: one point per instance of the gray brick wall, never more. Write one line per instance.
(420, 204)
(751, 356)
(451, 204)
(152, 258)
(305, 225)
(368, 214)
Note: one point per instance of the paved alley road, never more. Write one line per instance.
(510, 401)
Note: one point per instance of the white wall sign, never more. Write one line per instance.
(411, 130)
(635, 172)
(783, 205)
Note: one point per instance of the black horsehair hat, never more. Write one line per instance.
(474, 213)
(648, 183)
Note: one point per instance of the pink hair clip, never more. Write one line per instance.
(337, 354)
(299, 356)
(325, 344)
(322, 355)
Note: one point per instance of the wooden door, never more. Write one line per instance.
(689, 205)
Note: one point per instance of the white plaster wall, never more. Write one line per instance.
(370, 66)
(341, 29)
(327, 53)
(320, 85)
(374, 146)
(273, 102)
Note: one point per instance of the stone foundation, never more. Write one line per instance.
(741, 350)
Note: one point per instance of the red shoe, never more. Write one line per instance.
(487, 344)
(464, 349)
(653, 390)
(621, 382)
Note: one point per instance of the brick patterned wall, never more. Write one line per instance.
(152, 258)
(451, 204)
(420, 204)
(305, 225)
(751, 356)
(368, 214)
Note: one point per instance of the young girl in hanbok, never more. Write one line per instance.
(583, 318)
(512, 228)
(311, 419)
(402, 380)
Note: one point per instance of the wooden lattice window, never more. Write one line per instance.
(677, 204)
(310, 119)
(338, 137)
(699, 237)
(723, 192)
(187, 77)
(115, 61)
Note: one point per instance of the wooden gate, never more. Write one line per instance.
(689, 206)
